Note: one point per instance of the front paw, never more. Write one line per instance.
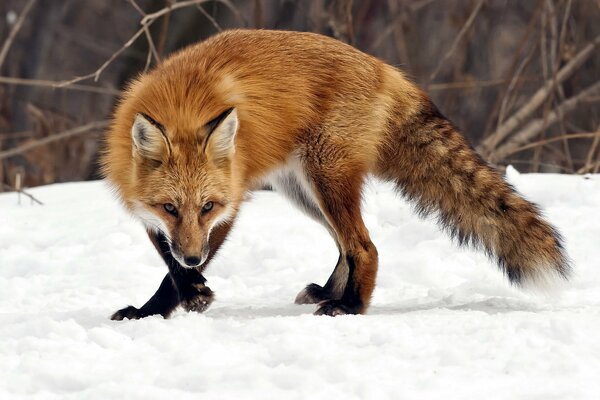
(129, 312)
(198, 299)
(335, 307)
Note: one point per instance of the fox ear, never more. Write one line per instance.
(149, 140)
(220, 142)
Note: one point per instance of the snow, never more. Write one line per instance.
(444, 323)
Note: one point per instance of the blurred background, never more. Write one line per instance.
(520, 78)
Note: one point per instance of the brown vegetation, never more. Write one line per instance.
(519, 77)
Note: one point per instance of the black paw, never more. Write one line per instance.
(129, 312)
(335, 307)
(313, 294)
(198, 298)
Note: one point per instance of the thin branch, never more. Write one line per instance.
(152, 47)
(16, 135)
(209, 17)
(164, 29)
(96, 74)
(513, 83)
(149, 18)
(135, 5)
(397, 20)
(559, 89)
(513, 65)
(592, 167)
(56, 85)
(591, 152)
(148, 61)
(458, 38)
(543, 47)
(563, 30)
(529, 162)
(548, 18)
(471, 84)
(13, 33)
(238, 15)
(536, 126)
(53, 138)
(546, 141)
(21, 191)
(537, 99)
(146, 22)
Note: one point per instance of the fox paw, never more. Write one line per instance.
(312, 294)
(335, 307)
(199, 300)
(129, 312)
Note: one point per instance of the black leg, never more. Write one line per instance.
(333, 289)
(163, 302)
(181, 286)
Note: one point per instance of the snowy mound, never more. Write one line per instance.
(444, 322)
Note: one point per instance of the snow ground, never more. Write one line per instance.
(443, 323)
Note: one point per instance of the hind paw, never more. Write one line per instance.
(335, 307)
(312, 294)
(129, 312)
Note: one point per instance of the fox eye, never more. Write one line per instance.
(170, 208)
(207, 207)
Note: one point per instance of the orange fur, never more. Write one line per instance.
(340, 114)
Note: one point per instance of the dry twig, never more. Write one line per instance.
(588, 160)
(150, 18)
(96, 74)
(458, 38)
(513, 66)
(513, 83)
(536, 126)
(22, 191)
(13, 32)
(209, 17)
(53, 138)
(472, 84)
(543, 142)
(488, 145)
(56, 85)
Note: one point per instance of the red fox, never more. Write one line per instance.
(312, 117)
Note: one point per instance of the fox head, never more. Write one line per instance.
(183, 182)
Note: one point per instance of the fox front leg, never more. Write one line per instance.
(181, 286)
(163, 302)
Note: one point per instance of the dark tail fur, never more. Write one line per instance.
(433, 165)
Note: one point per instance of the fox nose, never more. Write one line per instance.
(192, 261)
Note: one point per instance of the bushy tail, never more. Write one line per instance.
(433, 165)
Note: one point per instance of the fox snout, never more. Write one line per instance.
(190, 256)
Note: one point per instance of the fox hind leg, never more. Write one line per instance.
(292, 183)
(340, 201)
(337, 178)
(333, 289)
